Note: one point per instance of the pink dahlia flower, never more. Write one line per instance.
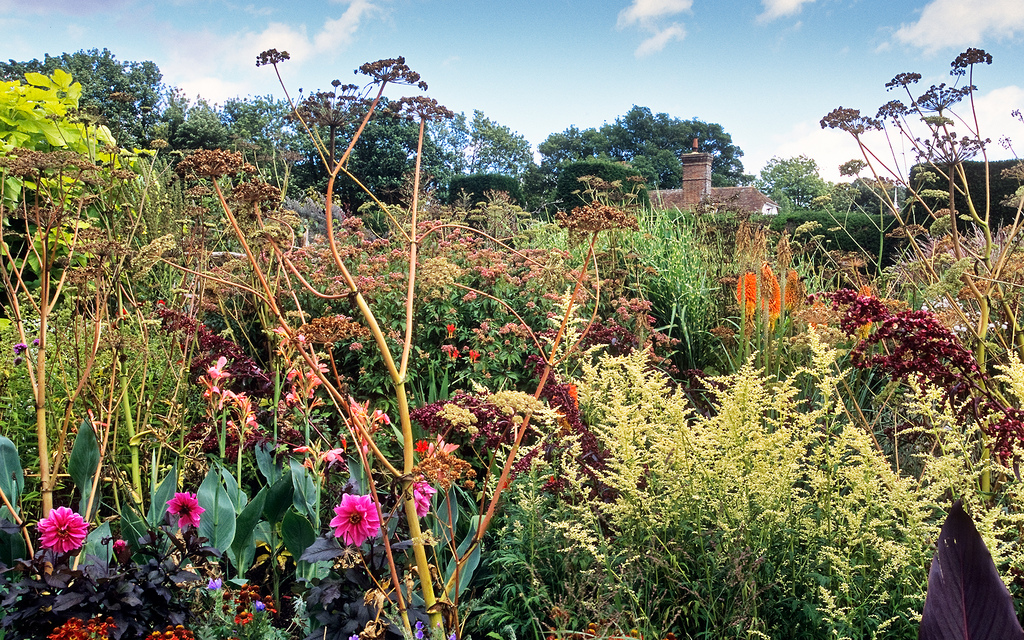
(356, 519)
(422, 492)
(186, 507)
(63, 530)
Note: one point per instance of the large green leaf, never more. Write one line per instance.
(160, 495)
(245, 529)
(94, 543)
(304, 498)
(132, 527)
(447, 517)
(279, 498)
(82, 465)
(217, 523)
(268, 464)
(471, 563)
(12, 476)
(297, 533)
(238, 497)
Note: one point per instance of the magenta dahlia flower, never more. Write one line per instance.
(356, 519)
(186, 507)
(63, 530)
(422, 492)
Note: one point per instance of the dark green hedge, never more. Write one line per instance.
(477, 185)
(1001, 189)
(570, 172)
(846, 232)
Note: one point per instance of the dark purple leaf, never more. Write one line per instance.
(966, 599)
(323, 549)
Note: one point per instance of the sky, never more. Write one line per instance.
(766, 70)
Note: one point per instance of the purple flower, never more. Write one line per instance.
(35, 343)
(259, 606)
(20, 348)
(214, 584)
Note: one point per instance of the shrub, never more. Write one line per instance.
(477, 185)
(566, 196)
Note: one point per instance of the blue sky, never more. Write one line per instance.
(766, 70)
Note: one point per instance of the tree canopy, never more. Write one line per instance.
(125, 96)
(652, 144)
(794, 183)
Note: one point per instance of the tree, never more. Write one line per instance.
(651, 143)
(191, 126)
(794, 183)
(125, 96)
(494, 148)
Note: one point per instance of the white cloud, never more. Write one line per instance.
(646, 12)
(779, 8)
(338, 33)
(661, 38)
(958, 23)
(649, 15)
(201, 62)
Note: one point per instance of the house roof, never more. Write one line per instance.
(747, 199)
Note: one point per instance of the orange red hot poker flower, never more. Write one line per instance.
(753, 287)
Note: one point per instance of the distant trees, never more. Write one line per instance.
(126, 96)
(793, 183)
(652, 144)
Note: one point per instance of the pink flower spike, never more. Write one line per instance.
(63, 530)
(356, 519)
(186, 507)
(301, 450)
(380, 416)
(422, 492)
(216, 372)
(334, 455)
(441, 446)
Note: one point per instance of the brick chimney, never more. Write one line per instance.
(696, 175)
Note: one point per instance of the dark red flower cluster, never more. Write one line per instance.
(919, 347)
(245, 375)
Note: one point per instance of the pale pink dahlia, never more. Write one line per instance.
(63, 530)
(356, 519)
(186, 507)
(422, 492)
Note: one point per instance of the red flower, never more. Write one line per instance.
(474, 355)
(451, 331)
(422, 447)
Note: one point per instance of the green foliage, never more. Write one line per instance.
(773, 516)
(494, 148)
(652, 143)
(793, 183)
(476, 186)
(571, 193)
(124, 96)
(678, 273)
(854, 232)
(34, 114)
(1002, 184)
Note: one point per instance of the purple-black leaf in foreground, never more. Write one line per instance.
(966, 599)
